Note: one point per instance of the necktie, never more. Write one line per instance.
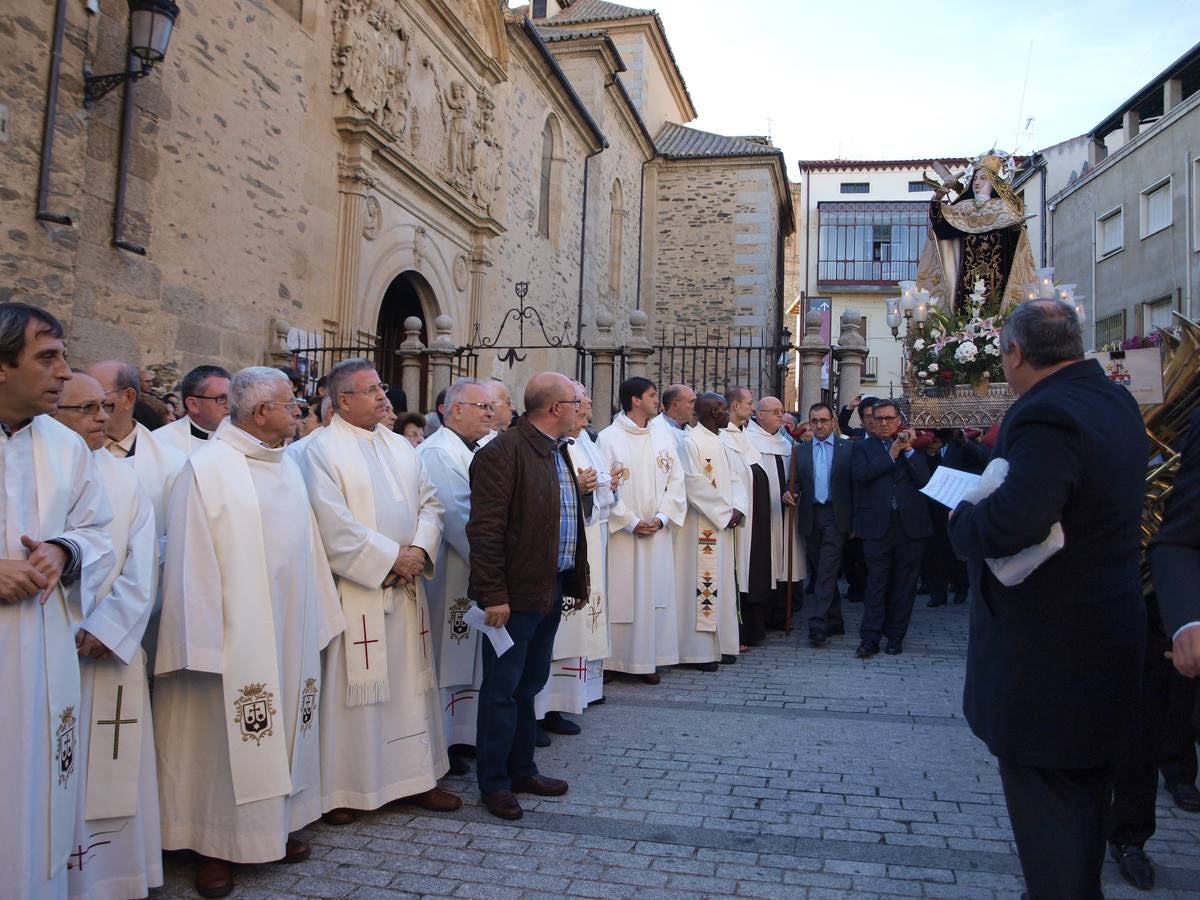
(822, 482)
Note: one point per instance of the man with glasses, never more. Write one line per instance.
(381, 524)
(447, 456)
(205, 393)
(822, 492)
(528, 551)
(248, 605)
(119, 791)
(502, 409)
(892, 518)
(788, 562)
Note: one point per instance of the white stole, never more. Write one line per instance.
(258, 758)
(62, 661)
(592, 639)
(363, 607)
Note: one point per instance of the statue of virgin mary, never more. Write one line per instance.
(978, 236)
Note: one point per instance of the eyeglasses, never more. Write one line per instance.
(486, 407)
(291, 404)
(886, 418)
(220, 399)
(380, 388)
(575, 402)
(90, 409)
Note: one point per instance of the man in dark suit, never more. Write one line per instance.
(1053, 662)
(944, 571)
(820, 488)
(892, 518)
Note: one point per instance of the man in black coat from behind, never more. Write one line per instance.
(1053, 663)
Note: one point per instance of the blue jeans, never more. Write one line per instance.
(506, 731)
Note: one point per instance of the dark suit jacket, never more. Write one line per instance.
(840, 486)
(1175, 550)
(969, 456)
(877, 478)
(844, 424)
(1054, 663)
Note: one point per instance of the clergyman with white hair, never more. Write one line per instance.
(248, 605)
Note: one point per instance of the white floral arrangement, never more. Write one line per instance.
(963, 349)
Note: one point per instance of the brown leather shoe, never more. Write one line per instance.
(502, 804)
(339, 816)
(435, 800)
(297, 851)
(652, 678)
(214, 877)
(540, 785)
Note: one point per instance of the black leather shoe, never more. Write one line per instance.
(960, 599)
(557, 723)
(866, 649)
(840, 631)
(1134, 864)
(541, 739)
(818, 640)
(894, 648)
(728, 659)
(936, 601)
(502, 804)
(705, 667)
(1186, 796)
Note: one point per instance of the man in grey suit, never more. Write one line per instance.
(820, 489)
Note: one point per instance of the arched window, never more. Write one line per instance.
(616, 240)
(548, 187)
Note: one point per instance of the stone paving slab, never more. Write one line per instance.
(796, 773)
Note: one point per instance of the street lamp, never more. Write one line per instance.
(150, 24)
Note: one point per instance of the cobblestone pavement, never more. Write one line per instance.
(796, 773)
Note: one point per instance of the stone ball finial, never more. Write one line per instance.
(851, 316)
(812, 321)
(443, 323)
(412, 323)
(638, 318)
(605, 320)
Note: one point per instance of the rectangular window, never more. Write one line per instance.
(1110, 233)
(856, 187)
(1155, 208)
(1110, 330)
(872, 244)
(539, 9)
(919, 187)
(871, 370)
(1157, 314)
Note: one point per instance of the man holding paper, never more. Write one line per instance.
(1054, 660)
(528, 549)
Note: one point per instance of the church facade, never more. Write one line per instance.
(316, 172)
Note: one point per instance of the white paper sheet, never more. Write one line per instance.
(501, 642)
(948, 486)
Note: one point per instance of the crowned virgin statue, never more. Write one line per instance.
(978, 235)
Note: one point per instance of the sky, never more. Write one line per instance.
(861, 79)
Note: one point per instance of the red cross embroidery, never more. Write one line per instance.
(366, 643)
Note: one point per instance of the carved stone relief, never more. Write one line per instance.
(372, 217)
(460, 273)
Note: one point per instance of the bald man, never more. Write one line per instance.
(678, 413)
(528, 550)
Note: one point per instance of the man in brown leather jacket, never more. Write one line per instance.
(527, 550)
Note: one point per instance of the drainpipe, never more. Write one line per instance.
(43, 196)
(641, 228)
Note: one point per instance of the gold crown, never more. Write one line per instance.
(992, 163)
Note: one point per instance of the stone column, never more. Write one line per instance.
(604, 353)
(851, 354)
(639, 349)
(811, 350)
(410, 353)
(441, 354)
(479, 262)
(354, 180)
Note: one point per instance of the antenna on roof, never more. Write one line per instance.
(768, 127)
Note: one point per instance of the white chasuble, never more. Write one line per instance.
(457, 651)
(643, 606)
(118, 845)
(582, 634)
(179, 435)
(51, 489)
(376, 752)
(704, 552)
(248, 603)
(775, 454)
(747, 455)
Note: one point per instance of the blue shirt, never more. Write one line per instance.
(568, 523)
(822, 465)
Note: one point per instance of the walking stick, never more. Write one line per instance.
(791, 524)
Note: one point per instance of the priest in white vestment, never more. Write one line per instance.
(155, 463)
(704, 547)
(650, 506)
(204, 392)
(447, 456)
(382, 737)
(678, 404)
(788, 560)
(248, 604)
(52, 515)
(118, 847)
(582, 636)
(755, 585)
